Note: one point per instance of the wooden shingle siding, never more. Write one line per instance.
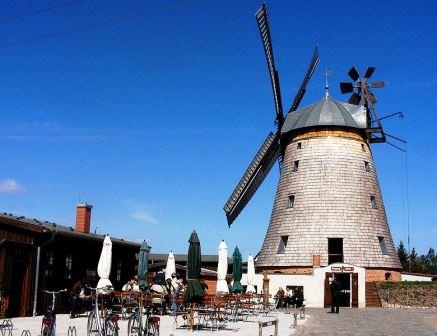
(332, 200)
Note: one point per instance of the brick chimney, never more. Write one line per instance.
(83, 217)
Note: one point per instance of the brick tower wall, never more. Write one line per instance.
(332, 192)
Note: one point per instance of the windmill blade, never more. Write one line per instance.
(346, 87)
(355, 99)
(255, 174)
(353, 73)
(264, 29)
(302, 89)
(378, 84)
(369, 72)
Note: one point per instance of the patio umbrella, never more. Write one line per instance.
(104, 266)
(194, 292)
(171, 266)
(143, 260)
(222, 269)
(250, 275)
(237, 271)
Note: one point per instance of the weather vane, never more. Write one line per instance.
(327, 73)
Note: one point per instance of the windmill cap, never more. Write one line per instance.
(326, 112)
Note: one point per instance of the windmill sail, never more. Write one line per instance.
(264, 29)
(303, 86)
(255, 174)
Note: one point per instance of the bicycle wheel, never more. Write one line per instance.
(134, 325)
(47, 326)
(92, 326)
(45, 330)
(111, 328)
(151, 329)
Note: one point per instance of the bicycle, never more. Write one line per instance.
(48, 325)
(135, 325)
(105, 324)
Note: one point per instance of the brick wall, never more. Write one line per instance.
(378, 275)
(288, 270)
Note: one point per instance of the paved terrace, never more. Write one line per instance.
(370, 321)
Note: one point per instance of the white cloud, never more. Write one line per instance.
(145, 215)
(10, 186)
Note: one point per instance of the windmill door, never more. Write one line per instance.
(328, 298)
(355, 290)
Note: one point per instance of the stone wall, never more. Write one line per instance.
(408, 295)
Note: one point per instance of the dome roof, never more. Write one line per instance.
(326, 112)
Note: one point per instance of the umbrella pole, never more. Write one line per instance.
(192, 316)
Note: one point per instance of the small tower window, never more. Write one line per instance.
(335, 250)
(299, 145)
(295, 166)
(373, 201)
(282, 244)
(290, 203)
(383, 245)
(366, 166)
(363, 147)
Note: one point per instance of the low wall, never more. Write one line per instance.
(406, 295)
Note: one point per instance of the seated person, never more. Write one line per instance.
(78, 298)
(132, 287)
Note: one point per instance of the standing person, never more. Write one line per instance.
(280, 298)
(176, 286)
(335, 295)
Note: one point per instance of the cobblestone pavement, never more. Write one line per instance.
(370, 321)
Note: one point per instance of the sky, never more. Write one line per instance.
(154, 119)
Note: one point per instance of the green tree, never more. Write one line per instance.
(403, 256)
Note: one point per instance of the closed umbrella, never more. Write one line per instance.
(143, 261)
(250, 276)
(194, 291)
(104, 266)
(171, 266)
(237, 271)
(222, 269)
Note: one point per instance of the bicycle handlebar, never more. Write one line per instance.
(54, 292)
(100, 288)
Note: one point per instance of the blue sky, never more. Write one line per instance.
(153, 120)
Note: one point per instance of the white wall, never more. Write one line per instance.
(411, 277)
(314, 284)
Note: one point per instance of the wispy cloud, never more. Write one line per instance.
(54, 131)
(144, 214)
(10, 186)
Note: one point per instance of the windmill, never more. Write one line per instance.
(273, 147)
(363, 96)
(328, 206)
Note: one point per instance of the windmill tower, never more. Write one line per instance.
(328, 206)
